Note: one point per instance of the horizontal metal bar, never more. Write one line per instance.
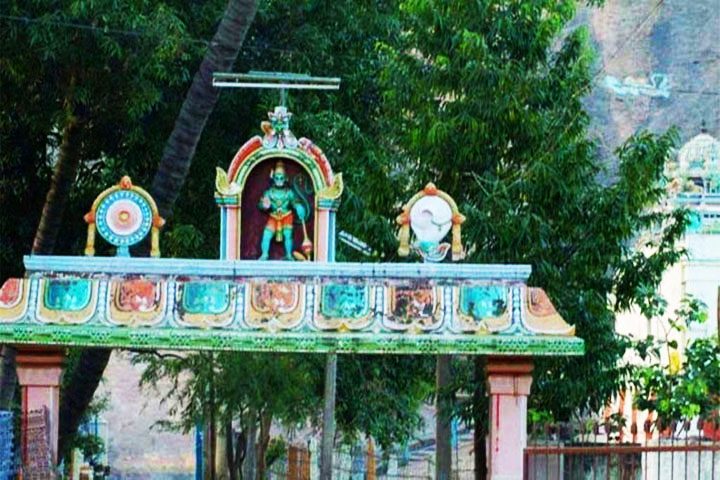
(621, 449)
(274, 268)
(288, 86)
(276, 76)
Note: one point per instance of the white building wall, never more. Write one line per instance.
(697, 275)
(702, 279)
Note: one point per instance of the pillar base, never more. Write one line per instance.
(39, 372)
(509, 381)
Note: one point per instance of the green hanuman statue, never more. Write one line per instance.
(279, 201)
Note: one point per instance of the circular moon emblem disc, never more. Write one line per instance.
(124, 218)
(431, 218)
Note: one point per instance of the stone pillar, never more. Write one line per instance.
(371, 467)
(327, 445)
(39, 371)
(443, 420)
(509, 381)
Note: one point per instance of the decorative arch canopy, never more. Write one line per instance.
(232, 187)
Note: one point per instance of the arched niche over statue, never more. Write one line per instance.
(240, 193)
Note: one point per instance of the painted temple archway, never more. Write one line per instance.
(242, 304)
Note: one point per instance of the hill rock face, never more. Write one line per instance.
(658, 65)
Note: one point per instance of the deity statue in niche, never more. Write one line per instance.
(282, 201)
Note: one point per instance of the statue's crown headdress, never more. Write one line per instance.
(279, 167)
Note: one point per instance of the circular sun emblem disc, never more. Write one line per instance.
(124, 218)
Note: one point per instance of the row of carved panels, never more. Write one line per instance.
(275, 306)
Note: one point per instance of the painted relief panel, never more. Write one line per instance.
(66, 300)
(541, 316)
(414, 308)
(206, 304)
(275, 305)
(482, 309)
(345, 307)
(13, 299)
(137, 302)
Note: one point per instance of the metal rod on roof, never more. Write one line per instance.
(260, 75)
(276, 80)
(294, 86)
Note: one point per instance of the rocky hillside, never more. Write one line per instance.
(658, 64)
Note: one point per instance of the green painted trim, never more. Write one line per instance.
(227, 200)
(306, 160)
(175, 339)
(328, 204)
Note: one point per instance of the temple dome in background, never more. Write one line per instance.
(700, 155)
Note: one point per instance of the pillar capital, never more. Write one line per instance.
(39, 372)
(509, 365)
(39, 367)
(509, 376)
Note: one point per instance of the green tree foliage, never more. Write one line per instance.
(81, 78)
(380, 396)
(248, 389)
(118, 71)
(87, 87)
(676, 388)
(285, 386)
(485, 99)
(377, 398)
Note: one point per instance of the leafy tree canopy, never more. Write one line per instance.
(117, 71)
(678, 385)
(485, 99)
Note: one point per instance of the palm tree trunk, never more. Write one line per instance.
(63, 178)
(199, 103)
(169, 179)
(74, 400)
(479, 418)
(443, 419)
(250, 463)
(263, 442)
(8, 377)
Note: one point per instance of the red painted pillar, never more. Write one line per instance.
(39, 371)
(509, 381)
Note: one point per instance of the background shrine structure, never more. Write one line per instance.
(240, 303)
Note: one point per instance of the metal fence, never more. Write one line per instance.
(36, 455)
(7, 451)
(363, 463)
(606, 450)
